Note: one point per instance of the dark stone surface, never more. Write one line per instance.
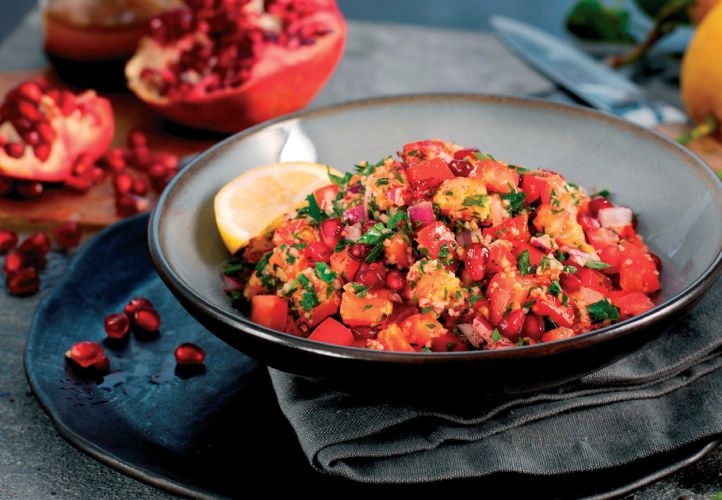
(36, 462)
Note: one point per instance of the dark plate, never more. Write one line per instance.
(217, 433)
(677, 197)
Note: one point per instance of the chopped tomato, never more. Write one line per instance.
(593, 279)
(535, 255)
(325, 196)
(500, 258)
(536, 186)
(270, 311)
(331, 331)
(475, 259)
(429, 172)
(638, 271)
(558, 334)
(448, 342)
(437, 239)
(498, 176)
(562, 315)
(514, 230)
(505, 290)
(632, 303)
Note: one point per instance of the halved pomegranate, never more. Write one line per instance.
(45, 132)
(224, 65)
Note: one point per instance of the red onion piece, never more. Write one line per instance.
(543, 242)
(615, 216)
(421, 213)
(464, 239)
(356, 214)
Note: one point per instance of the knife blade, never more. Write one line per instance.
(583, 76)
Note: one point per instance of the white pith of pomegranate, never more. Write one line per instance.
(224, 65)
(44, 131)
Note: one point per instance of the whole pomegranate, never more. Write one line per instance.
(224, 65)
(48, 134)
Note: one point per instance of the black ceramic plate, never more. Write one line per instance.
(216, 433)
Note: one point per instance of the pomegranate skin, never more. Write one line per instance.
(281, 81)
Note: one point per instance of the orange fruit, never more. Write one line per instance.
(701, 70)
(257, 201)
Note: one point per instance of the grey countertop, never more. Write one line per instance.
(36, 462)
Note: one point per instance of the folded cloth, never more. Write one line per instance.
(663, 398)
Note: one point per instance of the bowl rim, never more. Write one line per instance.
(677, 304)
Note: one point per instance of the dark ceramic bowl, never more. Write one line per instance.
(678, 200)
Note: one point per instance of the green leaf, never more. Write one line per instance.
(375, 234)
(340, 181)
(523, 263)
(312, 209)
(596, 264)
(477, 200)
(516, 201)
(593, 20)
(603, 310)
(495, 335)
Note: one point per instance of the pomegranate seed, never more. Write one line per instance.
(42, 151)
(28, 110)
(318, 252)
(31, 91)
(8, 240)
(123, 183)
(461, 168)
(114, 159)
(135, 303)
(78, 183)
(570, 282)
(14, 260)
(512, 323)
(68, 234)
(189, 354)
(136, 139)
(31, 137)
(169, 160)
(358, 251)
(87, 354)
(116, 325)
(45, 131)
(29, 190)
(129, 204)
(146, 318)
(37, 243)
(533, 327)
(371, 275)
(14, 149)
(395, 280)
(139, 187)
(25, 281)
(139, 157)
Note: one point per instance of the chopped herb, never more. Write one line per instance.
(383, 181)
(312, 209)
(544, 262)
(495, 335)
(375, 234)
(340, 181)
(430, 326)
(367, 307)
(555, 289)
(450, 346)
(324, 273)
(516, 201)
(596, 264)
(603, 310)
(396, 219)
(359, 290)
(290, 259)
(601, 192)
(523, 263)
(309, 300)
(234, 268)
(481, 156)
(425, 349)
(520, 169)
(528, 304)
(342, 243)
(426, 309)
(374, 253)
(478, 200)
(569, 269)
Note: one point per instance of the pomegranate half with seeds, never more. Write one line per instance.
(224, 65)
(45, 131)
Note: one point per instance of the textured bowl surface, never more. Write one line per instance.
(677, 198)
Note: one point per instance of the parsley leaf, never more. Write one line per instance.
(523, 263)
(312, 209)
(478, 200)
(516, 201)
(596, 264)
(603, 310)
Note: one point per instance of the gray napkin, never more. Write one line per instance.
(663, 398)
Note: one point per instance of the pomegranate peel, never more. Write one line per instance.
(240, 64)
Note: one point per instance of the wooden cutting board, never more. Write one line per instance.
(96, 208)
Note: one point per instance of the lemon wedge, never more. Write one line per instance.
(257, 201)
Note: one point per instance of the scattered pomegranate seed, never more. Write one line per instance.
(68, 234)
(116, 325)
(87, 354)
(8, 240)
(189, 354)
(395, 280)
(134, 303)
(136, 139)
(36, 243)
(23, 282)
(146, 318)
(14, 260)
